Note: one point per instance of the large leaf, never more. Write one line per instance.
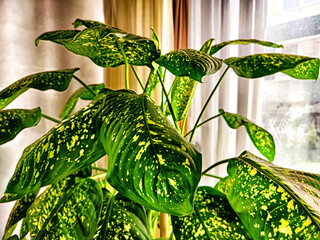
(213, 218)
(260, 65)
(121, 219)
(261, 138)
(182, 91)
(189, 62)
(274, 202)
(105, 45)
(306, 70)
(66, 210)
(215, 48)
(57, 80)
(82, 93)
(149, 161)
(65, 149)
(14, 121)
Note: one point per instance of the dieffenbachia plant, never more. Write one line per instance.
(152, 164)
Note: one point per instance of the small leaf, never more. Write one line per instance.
(64, 150)
(306, 70)
(153, 80)
(189, 62)
(274, 202)
(182, 91)
(261, 138)
(121, 219)
(15, 120)
(19, 210)
(100, 43)
(217, 47)
(260, 65)
(57, 80)
(82, 93)
(66, 210)
(213, 218)
(149, 161)
(206, 47)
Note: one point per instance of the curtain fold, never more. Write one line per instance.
(180, 23)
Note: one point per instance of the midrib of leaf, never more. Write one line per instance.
(287, 189)
(201, 220)
(107, 216)
(58, 206)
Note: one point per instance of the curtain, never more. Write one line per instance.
(21, 22)
(225, 20)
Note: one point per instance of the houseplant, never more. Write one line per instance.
(152, 167)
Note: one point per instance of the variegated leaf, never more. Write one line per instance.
(121, 219)
(206, 47)
(260, 65)
(217, 47)
(189, 62)
(57, 80)
(274, 202)
(65, 149)
(153, 80)
(149, 161)
(261, 138)
(306, 70)
(213, 218)
(66, 210)
(182, 91)
(14, 121)
(88, 23)
(82, 93)
(104, 44)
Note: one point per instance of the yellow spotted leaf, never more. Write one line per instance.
(274, 202)
(149, 161)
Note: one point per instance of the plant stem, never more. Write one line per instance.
(126, 64)
(204, 122)
(206, 104)
(98, 176)
(213, 176)
(99, 169)
(139, 80)
(215, 165)
(85, 85)
(169, 104)
(50, 118)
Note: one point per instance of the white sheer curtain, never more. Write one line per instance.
(21, 22)
(225, 20)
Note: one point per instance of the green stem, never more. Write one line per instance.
(137, 77)
(215, 165)
(169, 103)
(99, 169)
(204, 122)
(126, 64)
(50, 118)
(99, 176)
(85, 85)
(162, 94)
(206, 104)
(213, 176)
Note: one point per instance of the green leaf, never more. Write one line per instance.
(206, 47)
(213, 218)
(82, 93)
(260, 65)
(121, 219)
(14, 121)
(57, 80)
(14, 237)
(306, 70)
(87, 23)
(215, 48)
(189, 62)
(19, 210)
(261, 138)
(149, 161)
(182, 91)
(274, 202)
(64, 150)
(153, 80)
(102, 44)
(66, 210)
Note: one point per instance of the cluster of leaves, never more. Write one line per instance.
(151, 166)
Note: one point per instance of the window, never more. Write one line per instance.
(291, 108)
